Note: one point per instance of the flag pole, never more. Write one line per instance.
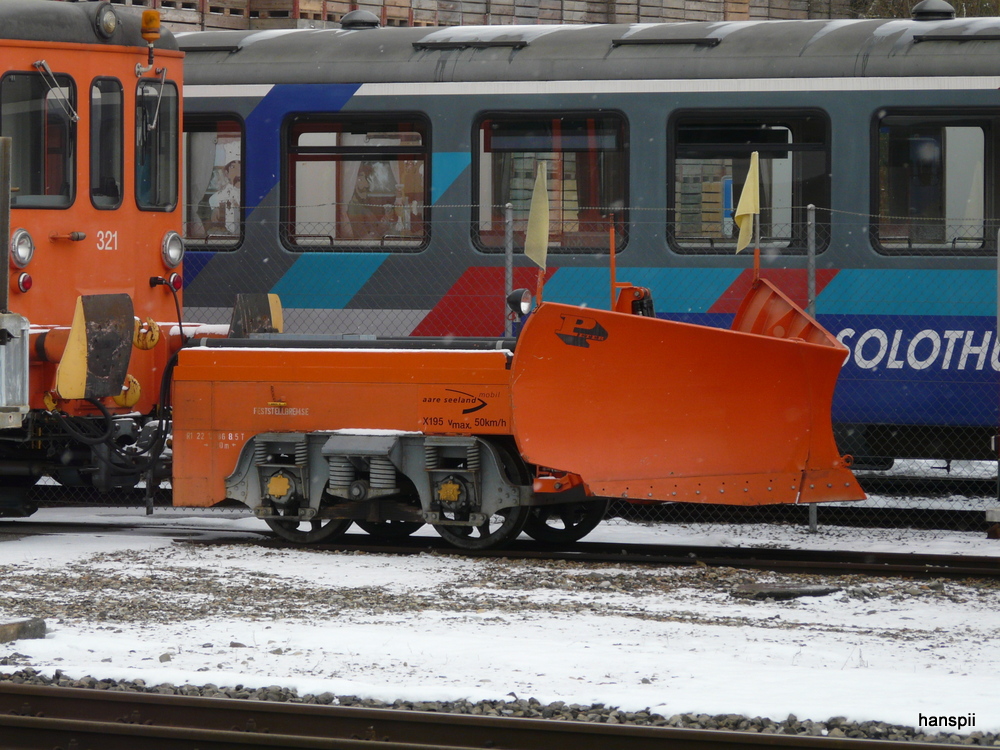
(756, 248)
(614, 273)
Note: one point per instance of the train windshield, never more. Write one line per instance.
(106, 131)
(156, 137)
(39, 116)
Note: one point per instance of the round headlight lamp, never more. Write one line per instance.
(106, 22)
(519, 302)
(22, 248)
(172, 249)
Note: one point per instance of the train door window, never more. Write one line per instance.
(585, 159)
(106, 142)
(156, 158)
(213, 184)
(356, 183)
(39, 115)
(934, 176)
(710, 157)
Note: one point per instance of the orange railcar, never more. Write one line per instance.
(480, 441)
(91, 107)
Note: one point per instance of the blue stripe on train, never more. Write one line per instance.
(263, 126)
(326, 280)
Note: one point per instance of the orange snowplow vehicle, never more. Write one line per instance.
(486, 438)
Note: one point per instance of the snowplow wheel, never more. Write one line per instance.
(566, 522)
(308, 532)
(504, 526)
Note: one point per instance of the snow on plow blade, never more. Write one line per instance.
(649, 409)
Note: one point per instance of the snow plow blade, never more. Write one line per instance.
(653, 410)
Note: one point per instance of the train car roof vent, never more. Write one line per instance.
(932, 10)
(364, 19)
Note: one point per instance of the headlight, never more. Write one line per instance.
(172, 249)
(519, 302)
(106, 22)
(22, 248)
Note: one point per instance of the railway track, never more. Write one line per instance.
(826, 562)
(821, 562)
(33, 716)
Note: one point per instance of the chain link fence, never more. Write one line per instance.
(916, 403)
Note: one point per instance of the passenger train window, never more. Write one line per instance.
(156, 160)
(709, 158)
(213, 183)
(40, 118)
(356, 184)
(585, 159)
(933, 178)
(106, 133)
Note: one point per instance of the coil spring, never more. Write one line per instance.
(473, 462)
(259, 453)
(381, 474)
(430, 457)
(341, 471)
(302, 454)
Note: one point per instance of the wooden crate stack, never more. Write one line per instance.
(291, 14)
(185, 15)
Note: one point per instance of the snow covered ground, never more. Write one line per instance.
(128, 604)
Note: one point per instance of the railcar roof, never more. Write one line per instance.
(701, 50)
(48, 21)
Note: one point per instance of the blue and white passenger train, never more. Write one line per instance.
(365, 173)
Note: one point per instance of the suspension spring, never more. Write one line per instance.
(382, 474)
(341, 472)
(259, 453)
(473, 462)
(430, 457)
(302, 454)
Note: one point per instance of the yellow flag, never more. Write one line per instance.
(749, 204)
(536, 239)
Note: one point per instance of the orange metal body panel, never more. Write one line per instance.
(121, 250)
(223, 397)
(647, 409)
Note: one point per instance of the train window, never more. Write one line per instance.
(357, 184)
(585, 159)
(156, 159)
(40, 117)
(213, 184)
(710, 157)
(106, 142)
(933, 177)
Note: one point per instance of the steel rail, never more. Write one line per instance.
(33, 716)
(826, 562)
(820, 562)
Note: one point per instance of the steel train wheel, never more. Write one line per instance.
(390, 529)
(308, 532)
(565, 522)
(504, 526)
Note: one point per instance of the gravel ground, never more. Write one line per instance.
(172, 585)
